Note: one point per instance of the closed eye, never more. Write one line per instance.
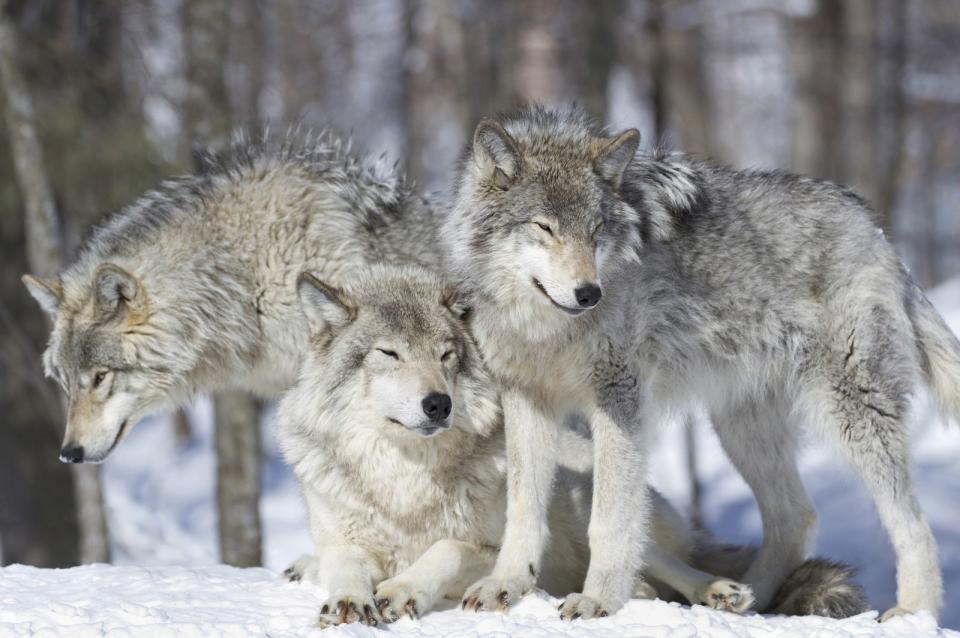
(544, 227)
(446, 355)
(389, 353)
(99, 377)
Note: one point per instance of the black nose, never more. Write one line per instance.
(71, 453)
(437, 406)
(588, 295)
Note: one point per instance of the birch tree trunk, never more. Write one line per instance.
(44, 257)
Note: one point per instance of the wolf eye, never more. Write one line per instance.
(446, 356)
(597, 229)
(545, 228)
(389, 353)
(98, 378)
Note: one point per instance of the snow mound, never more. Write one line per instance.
(102, 600)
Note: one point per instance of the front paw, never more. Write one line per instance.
(345, 608)
(725, 595)
(577, 606)
(493, 593)
(396, 598)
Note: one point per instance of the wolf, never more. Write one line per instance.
(633, 288)
(395, 433)
(190, 288)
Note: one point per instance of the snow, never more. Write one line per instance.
(160, 496)
(101, 600)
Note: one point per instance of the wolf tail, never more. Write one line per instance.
(939, 350)
(817, 587)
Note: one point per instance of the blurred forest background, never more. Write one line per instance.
(105, 98)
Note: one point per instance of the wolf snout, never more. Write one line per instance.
(437, 406)
(71, 453)
(588, 295)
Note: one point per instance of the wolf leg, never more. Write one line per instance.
(618, 521)
(531, 464)
(345, 571)
(699, 588)
(447, 566)
(762, 446)
(862, 404)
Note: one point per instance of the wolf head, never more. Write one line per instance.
(392, 349)
(109, 354)
(538, 218)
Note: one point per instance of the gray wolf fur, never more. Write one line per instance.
(407, 505)
(770, 299)
(191, 288)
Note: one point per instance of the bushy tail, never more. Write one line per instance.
(818, 587)
(940, 352)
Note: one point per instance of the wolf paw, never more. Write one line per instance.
(489, 594)
(645, 591)
(304, 568)
(894, 612)
(396, 598)
(725, 595)
(580, 606)
(338, 610)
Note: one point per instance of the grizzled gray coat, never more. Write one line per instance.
(634, 288)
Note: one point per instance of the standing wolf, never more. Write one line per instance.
(395, 433)
(628, 287)
(191, 288)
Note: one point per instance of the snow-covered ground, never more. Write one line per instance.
(163, 521)
(223, 601)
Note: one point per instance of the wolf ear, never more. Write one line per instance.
(615, 155)
(116, 290)
(451, 299)
(49, 294)
(325, 307)
(496, 153)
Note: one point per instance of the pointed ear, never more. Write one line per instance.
(496, 153)
(117, 291)
(325, 307)
(615, 155)
(49, 294)
(451, 299)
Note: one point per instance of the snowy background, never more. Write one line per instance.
(864, 92)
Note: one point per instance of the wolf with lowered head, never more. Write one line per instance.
(635, 288)
(395, 434)
(191, 287)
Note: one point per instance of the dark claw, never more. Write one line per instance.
(325, 610)
(412, 610)
(502, 600)
(576, 615)
(603, 613)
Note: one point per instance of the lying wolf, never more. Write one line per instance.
(395, 433)
(628, 288)
(191, 288)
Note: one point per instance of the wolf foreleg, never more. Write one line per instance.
(347, 574)
(446, 568)
(531, 463)
(618, 522)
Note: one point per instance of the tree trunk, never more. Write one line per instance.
(208, 116)
(44, 258)
(238, 478)
(815, 47)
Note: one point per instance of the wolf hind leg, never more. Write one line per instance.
(760, 443)
(861, 400)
